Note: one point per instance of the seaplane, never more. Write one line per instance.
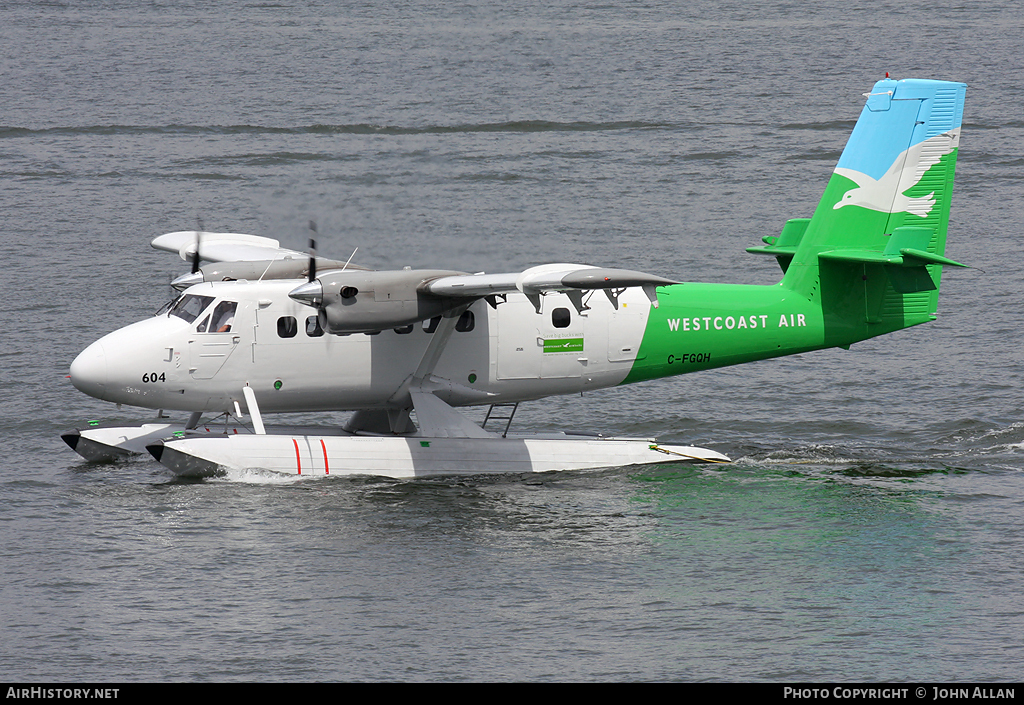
(259, 329)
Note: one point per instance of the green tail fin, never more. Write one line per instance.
(874, 250)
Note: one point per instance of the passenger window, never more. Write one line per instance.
(431, 325)
(404, 329)
(466, 322)
(560, 318)
(287, 327)
(313, 329)
(223, 317)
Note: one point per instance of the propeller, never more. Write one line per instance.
(312, 252)
(199, 235)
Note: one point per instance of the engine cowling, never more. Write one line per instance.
(352, 301)
(284, 268)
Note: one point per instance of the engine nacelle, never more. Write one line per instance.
(352, 301)
(285, 268)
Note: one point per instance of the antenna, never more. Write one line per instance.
(350, 259)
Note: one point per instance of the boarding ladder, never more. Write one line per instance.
(505, 407)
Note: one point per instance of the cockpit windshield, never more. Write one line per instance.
(189, 306)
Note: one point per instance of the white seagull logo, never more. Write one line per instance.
(887, 193)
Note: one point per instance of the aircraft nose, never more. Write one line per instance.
(89, 371)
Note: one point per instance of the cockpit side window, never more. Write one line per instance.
(224, 317)
(189, 306)
(201, 328)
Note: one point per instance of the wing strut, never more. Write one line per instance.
(435, 417)
(254, 409)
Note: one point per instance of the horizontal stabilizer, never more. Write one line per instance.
(913, 258)
(905, 259)
(783, 246)
(907, 246)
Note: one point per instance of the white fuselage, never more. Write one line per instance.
(186, 360)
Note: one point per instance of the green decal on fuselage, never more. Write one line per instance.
(561, 345)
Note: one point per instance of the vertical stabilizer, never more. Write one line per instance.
(874, 248)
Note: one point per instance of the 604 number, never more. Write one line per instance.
(154, 377)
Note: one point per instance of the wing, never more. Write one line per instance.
(224, 247)
(240, 256)
(572, 279)
(355, 301)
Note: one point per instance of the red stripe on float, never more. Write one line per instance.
(298, 460)
(327, 469)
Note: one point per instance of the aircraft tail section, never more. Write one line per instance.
(874, 249)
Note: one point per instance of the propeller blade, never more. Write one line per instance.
(312, 252)
(199, 235)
